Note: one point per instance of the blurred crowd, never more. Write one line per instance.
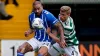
(3, 14)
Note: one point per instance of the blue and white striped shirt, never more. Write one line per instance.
(48, 21)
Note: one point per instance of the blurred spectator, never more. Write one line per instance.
(3, 14)
(14, 2)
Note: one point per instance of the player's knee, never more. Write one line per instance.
(43, 50)
(22, 48)
(18, 50)
(40, 52)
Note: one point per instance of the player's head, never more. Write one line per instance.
(37, 7)
(65, 12)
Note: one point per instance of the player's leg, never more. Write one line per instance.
(47, 54)
(27, 46)
(42, 51)
(44, 48)
(72, 51)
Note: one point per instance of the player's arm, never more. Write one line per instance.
(54, 22)
(60, 29)
(30, 30)
(61, 32)
(52, 35)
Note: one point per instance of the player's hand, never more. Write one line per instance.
(48, 30)
(63, 44)
(63, 55)
(27, 33)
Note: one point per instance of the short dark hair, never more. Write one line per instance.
(37, 2)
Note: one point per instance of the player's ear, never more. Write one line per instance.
(42, 6)
(68, 14)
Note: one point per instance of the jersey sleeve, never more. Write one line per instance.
(31, 16)
(30, 23)
(51, 18)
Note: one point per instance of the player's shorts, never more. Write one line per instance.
(56, 50)
(37, 44)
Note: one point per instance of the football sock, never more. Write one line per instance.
(40, 55)
(20, 54)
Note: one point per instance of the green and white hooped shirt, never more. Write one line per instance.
(69, 32)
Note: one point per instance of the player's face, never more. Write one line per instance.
(63, 16)
(38, 9)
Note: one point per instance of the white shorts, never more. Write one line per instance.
(56, 50)
(37, 44)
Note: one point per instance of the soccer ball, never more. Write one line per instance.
(37, 23)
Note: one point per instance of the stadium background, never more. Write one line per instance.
(85, 14)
